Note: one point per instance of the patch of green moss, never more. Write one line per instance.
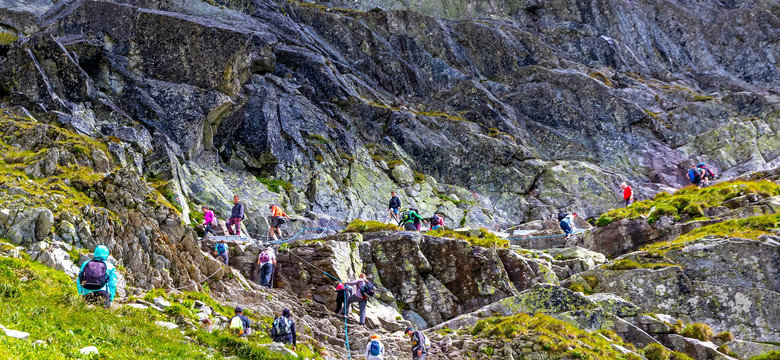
(556, 337)
(319, 139)
(724, 336)
(774, 355)
(456, 202)
(360, 226)
(628, 264)
(393, 163)
(275, 185)
(600, 76)
(484, 239)
(748, 228)
(658, 352)
(7, 38)
(702, 98)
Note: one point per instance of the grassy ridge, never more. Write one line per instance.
(44, 303)
(690, 201)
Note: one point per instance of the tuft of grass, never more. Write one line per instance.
(702, 98)
(456, 202)
(658, 352)
(724, 336)
(484, 239)
(691, 201)
(244, 348)
(393, 163)
(319, 139)
(604, 220)
(697, 331)
(275, 185)
(419, 178)
(600, 76)
(7, 38)
(360, 226)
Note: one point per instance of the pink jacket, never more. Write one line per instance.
(208, 218)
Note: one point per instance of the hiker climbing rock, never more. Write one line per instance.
(267, 262)
(375, 350)
(209, 221)
(420, 343)
(364, 289)
(236, 216)
(221, 251)
(342, 293)
(97, 279)
(410, 220)
(567, 223)
(706, 173)
(628, 193)
(277, 219)
(436, 221)
(240, 324)
(283, 329)
(695, 175)
(394, 207)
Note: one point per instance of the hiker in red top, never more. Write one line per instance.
(277, 219)
(628, 194)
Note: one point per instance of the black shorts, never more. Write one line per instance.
(277, 221)
(410, 227)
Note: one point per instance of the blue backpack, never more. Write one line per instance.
(221, 248)
(374, 350)
(694, 176)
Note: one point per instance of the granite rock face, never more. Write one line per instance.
(341, 106)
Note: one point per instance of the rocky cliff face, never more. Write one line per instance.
(339, 107)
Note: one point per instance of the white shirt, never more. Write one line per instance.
(569, 219)
(271, 257)
(381, 351)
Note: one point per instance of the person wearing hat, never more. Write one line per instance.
(420, 343)
(283, 329)
(341, 297)
(247, 329)
(375, 350)
(221, 250)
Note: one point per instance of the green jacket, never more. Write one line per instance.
(412, 216)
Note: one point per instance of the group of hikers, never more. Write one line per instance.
(411, 220)
(700, 175)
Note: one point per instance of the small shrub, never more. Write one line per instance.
(723, 349)
(774, 355)
(484, 239)
(697, 331)
(679, 356)
(275, 185)
(419, 178)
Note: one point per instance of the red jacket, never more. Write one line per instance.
(627, 192)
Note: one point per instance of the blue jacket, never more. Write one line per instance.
(101, 252)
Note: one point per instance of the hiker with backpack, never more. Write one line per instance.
(277, 219)
(707, 173)
(97, 279)
(209, 221)
(436, 221)
(236, 216)
(342, 293)
(375, 350)
(695, 175)
(221, 251)
(283, 329)
(364, 289)
(394, 207)
(267, 262)
(628, 193)
(567, 223)
(410, 220)
(420, 343)
(240, 324)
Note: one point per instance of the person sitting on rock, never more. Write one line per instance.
(267, 262)
(97, 279)
(283, 329)
(277, 219)
(358, 297)
(410, 219)
(420, 343)
(221, 251)
(567, 224)
(628, 193)
(236, 216)
(209, 221)
(394, 207)
(375, 350)
(240, 324)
